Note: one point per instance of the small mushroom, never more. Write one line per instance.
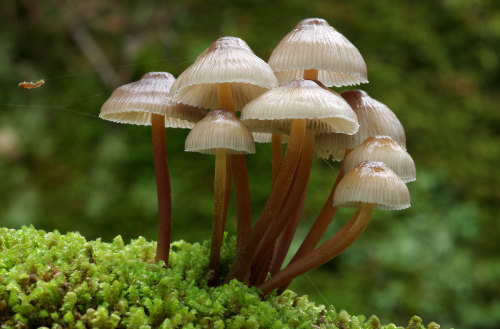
(371, 185)
(219, 133)
(147, 102)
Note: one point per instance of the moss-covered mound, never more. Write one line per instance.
(63, 281)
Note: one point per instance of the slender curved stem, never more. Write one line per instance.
(162, 187)
(218, 220)
(322, 221)
(241, 266)
(227, 191)
(327, 251)
(290, 205)
(225, 97)
(242, 192)
(286, 237)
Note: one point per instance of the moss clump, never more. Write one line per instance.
(62, 281)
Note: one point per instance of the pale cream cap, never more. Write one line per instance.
(220, 129)
(372, 182)
(134, 103)
(314, 44)
(227, 60)
(374, 119)
(324, 110)
(386, 150)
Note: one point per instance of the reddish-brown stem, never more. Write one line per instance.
(242, 192)
(276, 154)
(218, 219)
(292, 201)
(241, 266)
(162, 187)
(227, 192)
(286, 237)
(310, 74)
(324, 253)
(322, 221)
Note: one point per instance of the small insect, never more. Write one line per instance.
(30, 85)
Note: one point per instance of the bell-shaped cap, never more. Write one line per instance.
(324, 110)
(372, 182)
(314, 44)
(374, 119)
(220, 129)
(134, 103)
(386, 150)
(227, 60)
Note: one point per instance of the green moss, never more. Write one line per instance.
(52, 280)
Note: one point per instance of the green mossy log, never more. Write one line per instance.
(51, 280)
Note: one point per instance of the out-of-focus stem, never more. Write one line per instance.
(242, 192)
(276, 154)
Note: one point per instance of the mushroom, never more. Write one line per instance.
(227, 75)
(374, 118)
(314, 50)
(386, 150)
(371, 185)
(146, 102)
(293, 108)
(219, 133)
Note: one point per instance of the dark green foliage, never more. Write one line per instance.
(63, 281)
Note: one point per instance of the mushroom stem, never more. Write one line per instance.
(277, 154)
(324, 253)
(292, 201)
(242, 192)
(218, 219)
(322, 221)
(227, 191)
(310, 74)
(225, 97)
(287, 236)
(162, 187)
(241, 266)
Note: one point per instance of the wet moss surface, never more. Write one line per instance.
(63, 281)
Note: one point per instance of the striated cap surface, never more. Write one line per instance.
(134, 103)
(220, 129)
(227, 60)
(372, 182)
(374, 119)
(324, 109)
(314, 44)
(386, 150)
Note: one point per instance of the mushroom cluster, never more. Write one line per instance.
(289, 101)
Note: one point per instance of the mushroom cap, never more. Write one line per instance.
(267, 138)
(374, 119)
(227, 60)
(135, 102)
(314, 44)
(324, 110)
(220, 129)
(372, 182)
(386, 150)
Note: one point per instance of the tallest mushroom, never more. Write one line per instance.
(227, 75)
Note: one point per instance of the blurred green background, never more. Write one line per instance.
(434, 63)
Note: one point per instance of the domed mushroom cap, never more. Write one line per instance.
(374, 119)
(227, 60)
(372, 182)
(324, 110)
(220, 129)
(386, 150)
(135, 102)
(314, 44)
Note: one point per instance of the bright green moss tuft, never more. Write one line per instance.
(51, 280)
